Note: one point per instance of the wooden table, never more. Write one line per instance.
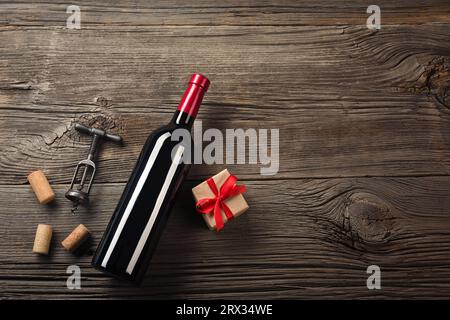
(364, 120)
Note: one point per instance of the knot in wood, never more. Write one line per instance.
(435, 80)
(101, 120)
(102, 101)
(368, 219)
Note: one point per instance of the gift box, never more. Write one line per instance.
(220, 199)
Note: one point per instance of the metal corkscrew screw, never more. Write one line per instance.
(80, 188)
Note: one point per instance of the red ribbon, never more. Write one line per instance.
(214, 205)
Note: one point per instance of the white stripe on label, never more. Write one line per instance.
(156, 208)
(179, 117)
(135, 195)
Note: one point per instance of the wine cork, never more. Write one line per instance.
(76, 238)
(41, 187)
(43, 238)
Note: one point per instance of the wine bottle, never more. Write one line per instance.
(133, 232)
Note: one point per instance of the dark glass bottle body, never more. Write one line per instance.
(134, 230)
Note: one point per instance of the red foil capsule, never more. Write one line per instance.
(193, 96)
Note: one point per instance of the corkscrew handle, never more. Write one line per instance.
(101, 133)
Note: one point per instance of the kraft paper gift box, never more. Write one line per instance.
(235, 203)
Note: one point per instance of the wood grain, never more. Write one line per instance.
(319, 245)
(346, 101)
(226, 12)
(363, 116)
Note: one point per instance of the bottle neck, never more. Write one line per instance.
(191, 101)
(183, 119)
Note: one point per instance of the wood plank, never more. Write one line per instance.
(348, 102)
(364, 152)
(304, 238)
(290, 67)
(228, 12)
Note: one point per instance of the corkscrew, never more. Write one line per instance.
(79, 189)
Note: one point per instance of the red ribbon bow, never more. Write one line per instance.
(227, 190)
